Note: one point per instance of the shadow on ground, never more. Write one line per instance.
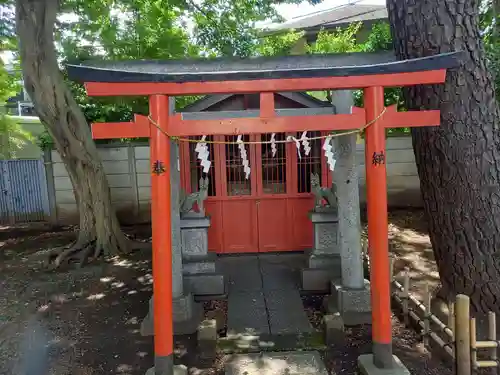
(91, 317)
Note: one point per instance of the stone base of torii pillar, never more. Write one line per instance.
(176, 370)
(187, 315)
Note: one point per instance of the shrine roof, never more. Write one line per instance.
(236, 69)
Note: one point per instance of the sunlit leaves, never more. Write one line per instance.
(278, 45)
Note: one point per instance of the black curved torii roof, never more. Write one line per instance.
(237, 69)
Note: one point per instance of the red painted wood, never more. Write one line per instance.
(213, 209)
(263, 85)
(326, 174)
(301, 225)
(256, 166)
(394, 119)
(267, 104)
(139, 128)
(162, 240)
(240, 228)
(185, 170)
(219, 166)
(291, 169)
(184, 128)
(292, 159)
(274, 225)
(255, 163)
(376, 192)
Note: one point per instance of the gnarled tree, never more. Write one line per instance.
(99, 232)
(459, 162)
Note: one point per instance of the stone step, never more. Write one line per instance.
(247, 313)
(206, 286)
(275, 363)
(286, 312)
(267, 342)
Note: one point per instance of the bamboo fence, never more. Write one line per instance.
(457, 337)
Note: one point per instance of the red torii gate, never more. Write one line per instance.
(159, 80)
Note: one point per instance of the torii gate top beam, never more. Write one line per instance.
(269, 74)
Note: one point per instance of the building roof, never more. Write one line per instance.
(302, 98)
(334, 17)
(234, 69)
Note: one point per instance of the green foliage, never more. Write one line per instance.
(278, 45)
(169, 29)
(346, 41)
(379, 39)
(12, 136)
(337, 41)
(154, 29)
(489, 23)
(227, 27)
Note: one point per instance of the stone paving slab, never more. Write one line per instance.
(284, 299)
(247, 313)
(293, 322)
(274, 363)
(272, 343)
(243, 273)
(286, 312)
(277, 277)
(264, 295)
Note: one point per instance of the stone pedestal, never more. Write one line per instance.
(324, 260)
(176, 370)
(353, 305)
(187, 316)
(198, 265)
(367, 367)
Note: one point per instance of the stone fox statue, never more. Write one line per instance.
(199, 197)
(320, 193)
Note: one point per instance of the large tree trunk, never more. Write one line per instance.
(99, 232)
(459, 162)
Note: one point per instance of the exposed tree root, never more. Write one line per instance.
(80, 253)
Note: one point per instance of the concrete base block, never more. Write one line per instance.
(333, 326)
(187, 315)
(354, 305)
(206, 284)
(194, 267)
(366, 366)
(207, 339)
(330, 261)
(317, 280)
(189, 326)
(177, 370)
(353, 299)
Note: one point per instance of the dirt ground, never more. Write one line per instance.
(90, 317)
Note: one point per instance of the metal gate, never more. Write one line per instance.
(23, 191)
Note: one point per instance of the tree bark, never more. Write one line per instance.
(459, 162)
(99, 232)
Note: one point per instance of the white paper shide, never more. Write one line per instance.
(203, 154)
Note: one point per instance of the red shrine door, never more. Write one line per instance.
(268, 211)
